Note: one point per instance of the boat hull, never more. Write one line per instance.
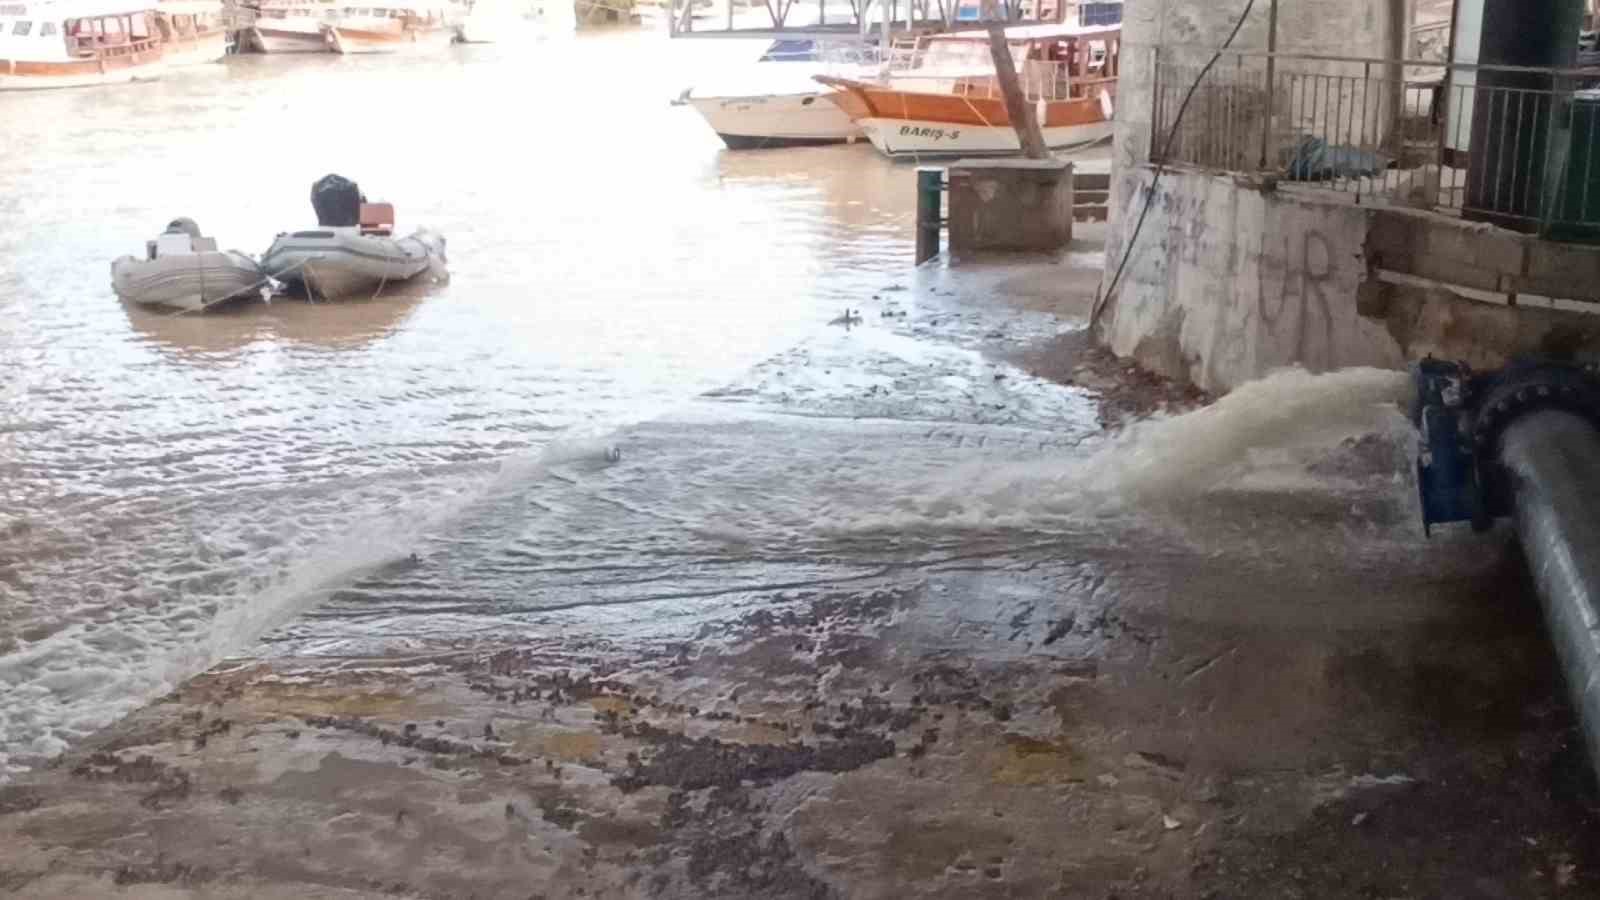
(188, 282)
(333, 264)
(282, 40)
(926, 138)
(348, 41)
(776, 120)
(22, 75)
(910, 123)
(197, 50)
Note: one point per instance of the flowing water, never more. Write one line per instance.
(438, 465)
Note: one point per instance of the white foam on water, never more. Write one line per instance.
(1264, 435)
(216, 593)
(235, 584)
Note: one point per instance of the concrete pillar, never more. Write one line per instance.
(1513, 133)
(1010, 205)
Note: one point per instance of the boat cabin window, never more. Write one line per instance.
(47, 29)
(21, 29)
(85, 36)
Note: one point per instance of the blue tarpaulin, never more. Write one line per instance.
(791, 51)
(1315, 160)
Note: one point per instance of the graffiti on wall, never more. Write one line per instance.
(1267, 276)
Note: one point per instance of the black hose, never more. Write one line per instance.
(1166, 151)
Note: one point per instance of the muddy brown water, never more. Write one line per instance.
(169, 485)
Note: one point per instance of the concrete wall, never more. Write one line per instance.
(1229, 282)
(1232, 279)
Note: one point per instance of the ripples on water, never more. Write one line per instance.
(170, 488)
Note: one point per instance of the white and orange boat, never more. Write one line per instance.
(292, 26)
(391, 29)
(192, 31)
(72, 43)
(942, 98)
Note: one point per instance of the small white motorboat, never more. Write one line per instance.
(333, 263)
(777, 103)
(184, 270)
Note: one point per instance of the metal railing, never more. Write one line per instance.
(1510, 145)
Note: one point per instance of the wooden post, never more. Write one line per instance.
(1017, 107)
(1394, 74)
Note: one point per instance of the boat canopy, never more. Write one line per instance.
(1045, 32)
(791, 51)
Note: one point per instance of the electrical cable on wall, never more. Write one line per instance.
(1166, 151)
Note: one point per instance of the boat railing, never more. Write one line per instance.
(1039, 79)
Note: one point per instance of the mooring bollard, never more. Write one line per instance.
(930, 209)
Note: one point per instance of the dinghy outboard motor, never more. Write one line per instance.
(337, 201)
(184, 225)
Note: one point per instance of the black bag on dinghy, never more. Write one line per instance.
(337, 201)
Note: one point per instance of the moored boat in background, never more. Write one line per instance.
(291, 26)
(74, 43)
(192, 31)
(943, 98)
(777, 102)
(398, 28)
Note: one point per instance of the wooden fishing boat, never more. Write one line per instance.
(78, 42)
(942, 97)
(192, 31)
(390, 29)
(292, 26)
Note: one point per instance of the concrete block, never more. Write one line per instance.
(1564, 271)
(1486, 336)
(1091, 181)
(1009, 205)
(1445, 249)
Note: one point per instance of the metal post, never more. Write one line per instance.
(930, 200)
(1447, 84)
(1272, 77)
(1554, 461)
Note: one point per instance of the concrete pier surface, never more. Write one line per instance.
(1241, 684)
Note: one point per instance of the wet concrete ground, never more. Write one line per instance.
(1113, 707)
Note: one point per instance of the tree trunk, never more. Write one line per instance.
(1017, 106)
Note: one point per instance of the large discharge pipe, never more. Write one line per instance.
(1523, 443)
(1552, 459)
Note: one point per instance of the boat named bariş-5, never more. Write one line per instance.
(944, 99)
